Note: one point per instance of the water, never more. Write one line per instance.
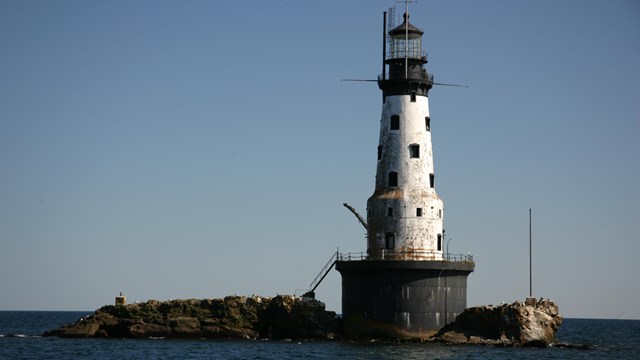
(20, 330)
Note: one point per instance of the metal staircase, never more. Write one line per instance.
(323, 273)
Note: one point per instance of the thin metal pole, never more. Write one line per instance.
(530, 259)
(406, 39)
(384, 45)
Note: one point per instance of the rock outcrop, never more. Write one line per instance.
(237, 317)
(289, 317)
(514, 324)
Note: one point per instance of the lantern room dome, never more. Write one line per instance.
(406, 27)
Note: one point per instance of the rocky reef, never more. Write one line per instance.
(289, 317)
(516, 324)
(237, 317)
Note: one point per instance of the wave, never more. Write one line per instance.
(19, 336)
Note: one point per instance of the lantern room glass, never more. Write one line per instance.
(397, 46)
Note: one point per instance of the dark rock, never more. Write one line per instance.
(289, 317)
(143, 330)
(238, 317)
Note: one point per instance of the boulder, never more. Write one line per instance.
(516, 324)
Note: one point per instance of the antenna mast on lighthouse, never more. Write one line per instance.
(406, 37)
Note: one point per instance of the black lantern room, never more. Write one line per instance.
(405, 59)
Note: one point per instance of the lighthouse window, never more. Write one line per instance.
(414, 151)
(393, 178)
(390, 212)
(379, 152)
(395, 122)
(418, 212)
(432, 180)
(427, 123)
(439, 242)
(389, 240)
(413, 96)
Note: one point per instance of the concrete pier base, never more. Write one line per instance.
(382, 298)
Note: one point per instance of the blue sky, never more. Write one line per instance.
(172, 149)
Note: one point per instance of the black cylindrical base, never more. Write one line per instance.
(401, 298)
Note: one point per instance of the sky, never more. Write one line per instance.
(199, 149)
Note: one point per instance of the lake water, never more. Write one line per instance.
(20, 330)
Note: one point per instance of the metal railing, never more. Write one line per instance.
(459, 257)
(325, 270)
(412, 54)
(383, 254)
(403, 255)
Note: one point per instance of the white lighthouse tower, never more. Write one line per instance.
(404, 214)
(404, 285)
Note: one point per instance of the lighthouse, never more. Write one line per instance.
(405, 284)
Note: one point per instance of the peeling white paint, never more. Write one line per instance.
(415, 237)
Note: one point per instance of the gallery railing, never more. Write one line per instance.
(403, 255)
